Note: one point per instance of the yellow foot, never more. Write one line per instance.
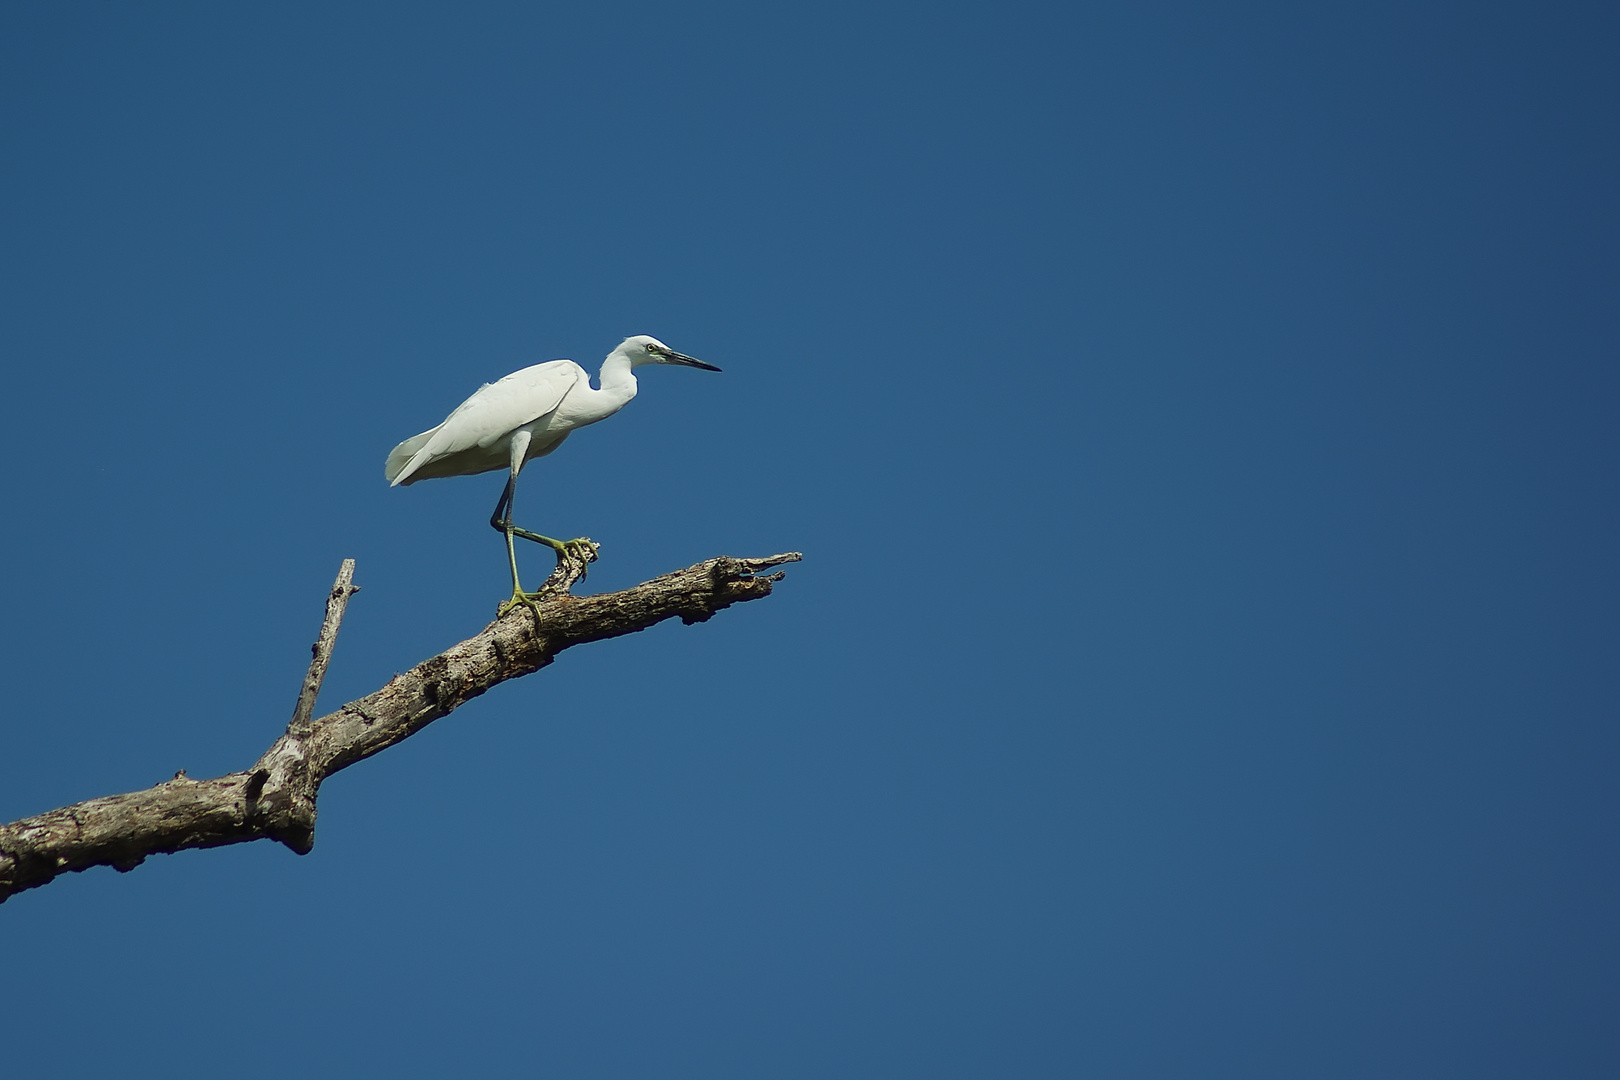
(572, 558)
(521, 599)
(581, 550)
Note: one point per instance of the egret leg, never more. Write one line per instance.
(501, 520)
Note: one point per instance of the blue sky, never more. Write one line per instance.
(1199, 424)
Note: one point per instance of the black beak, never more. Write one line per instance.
(689, 361)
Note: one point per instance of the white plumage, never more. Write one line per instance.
(476, 437)
(521, 417)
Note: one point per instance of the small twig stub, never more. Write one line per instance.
(337, 601)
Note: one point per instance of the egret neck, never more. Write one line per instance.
(616, 380)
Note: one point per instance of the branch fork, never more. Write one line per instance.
(276, 797)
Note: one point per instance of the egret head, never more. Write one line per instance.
(642, 349)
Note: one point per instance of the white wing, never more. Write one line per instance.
(477, 431)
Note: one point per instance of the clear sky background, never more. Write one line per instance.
(1199, 423)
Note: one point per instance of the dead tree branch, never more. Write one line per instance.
(275, 798)
(321, 652)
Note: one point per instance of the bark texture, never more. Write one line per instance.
(275, 798)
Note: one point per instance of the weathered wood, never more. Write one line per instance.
(321, 652)
(275, 799)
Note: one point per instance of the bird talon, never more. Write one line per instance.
(581, 550)
(520, 599)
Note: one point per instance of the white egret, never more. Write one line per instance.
(523, 416)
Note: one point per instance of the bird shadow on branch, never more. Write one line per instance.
(276, 797)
